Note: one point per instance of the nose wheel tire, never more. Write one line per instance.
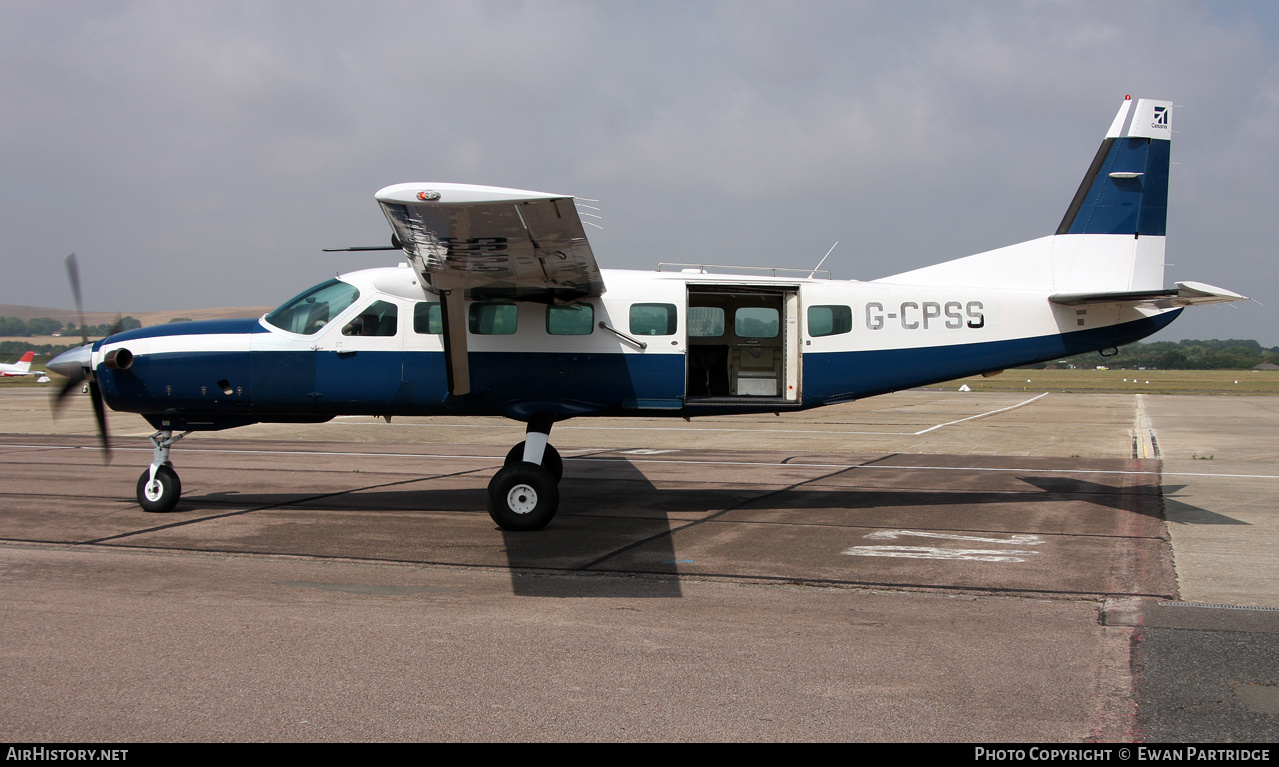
(551, 460)
(523, 497)
(162, 495)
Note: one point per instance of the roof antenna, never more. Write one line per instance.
(819, 263)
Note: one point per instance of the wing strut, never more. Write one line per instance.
(456, 362)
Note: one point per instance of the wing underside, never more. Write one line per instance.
(493, 242)
(486, 242)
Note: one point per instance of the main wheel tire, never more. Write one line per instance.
(523, 497)
(163, 496)
(551, 460)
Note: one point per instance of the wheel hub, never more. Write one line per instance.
(522, 499)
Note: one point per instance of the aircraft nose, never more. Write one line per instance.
(72, 361)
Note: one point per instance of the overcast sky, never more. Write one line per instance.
(201, 154)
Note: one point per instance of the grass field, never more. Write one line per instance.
(1143, 381)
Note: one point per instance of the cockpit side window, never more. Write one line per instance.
(377, 319)
(312, 309)
(427, 317)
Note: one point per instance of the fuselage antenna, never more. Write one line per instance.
(819, 263)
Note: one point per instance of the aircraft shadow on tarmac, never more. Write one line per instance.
(611, 509)
(1110, 496)
(1182, 513)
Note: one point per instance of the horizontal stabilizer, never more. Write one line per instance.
(1185, 294)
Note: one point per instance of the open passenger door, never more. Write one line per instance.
(743, 343)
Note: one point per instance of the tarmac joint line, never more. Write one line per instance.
(291, 502)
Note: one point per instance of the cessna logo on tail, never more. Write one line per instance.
(1161, 118)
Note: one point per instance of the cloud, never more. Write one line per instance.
(182, 147)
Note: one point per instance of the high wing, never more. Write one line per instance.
(493, 242)
(489, 242)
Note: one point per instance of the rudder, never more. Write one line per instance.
(1126, 188)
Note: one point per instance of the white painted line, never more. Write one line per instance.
(1019, 539)
(927, 552)
(983, 415)
(1235, 476)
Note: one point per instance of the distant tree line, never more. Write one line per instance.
(1190, 354)
(17, 348)
(126, 323)
(43, 326)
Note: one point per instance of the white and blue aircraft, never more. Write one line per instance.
(501, 309)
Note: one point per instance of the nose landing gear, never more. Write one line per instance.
(159, 486)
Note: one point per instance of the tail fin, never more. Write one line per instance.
(24, 364)
(1112, 236)
(1126, 189)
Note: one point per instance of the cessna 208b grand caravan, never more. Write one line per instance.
(502, 310)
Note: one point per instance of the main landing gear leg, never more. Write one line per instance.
(159, 486)
(524, 494)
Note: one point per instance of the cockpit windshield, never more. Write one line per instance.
(312, 309)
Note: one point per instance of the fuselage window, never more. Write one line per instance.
(377, 319)
(427, 318)
(494, 318)
(705, 321)
(572, 320)
(311, 310)
(756, 322)
(653, 320)
(829, 320)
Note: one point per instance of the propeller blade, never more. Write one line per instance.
(100, 414)
(73, 274)
(76, 367)
(59, 397)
